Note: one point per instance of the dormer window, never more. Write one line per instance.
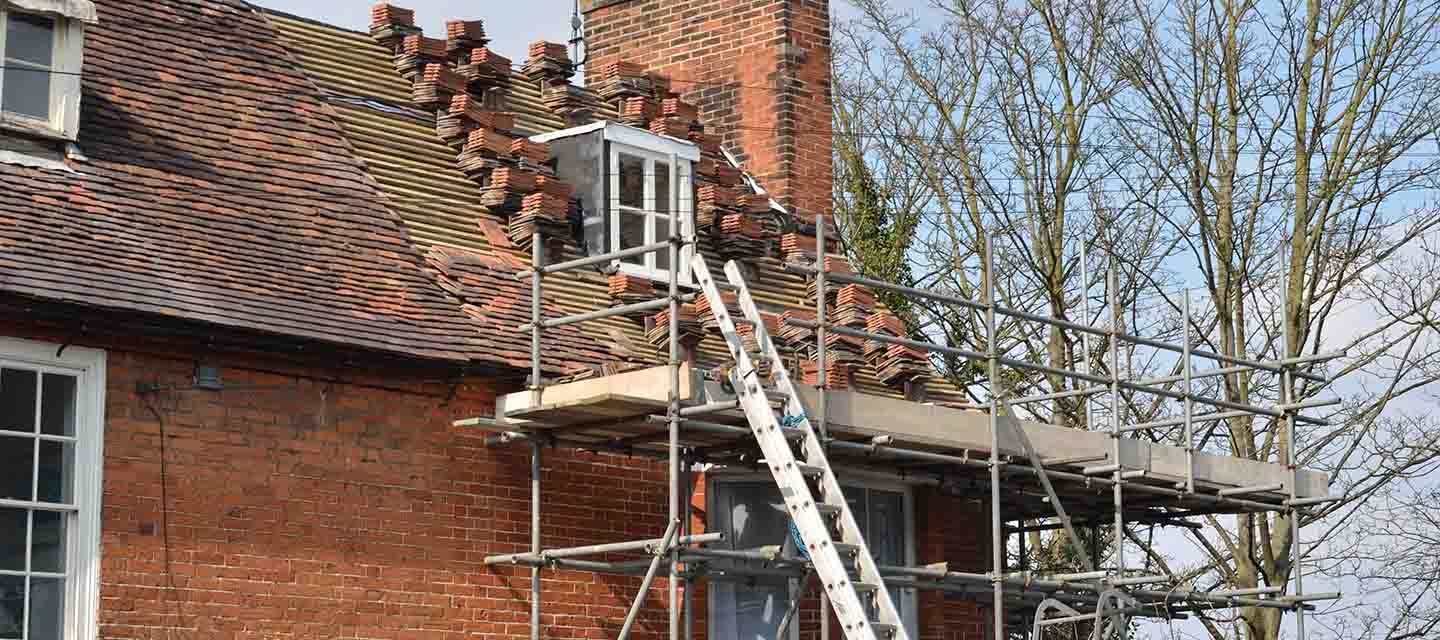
(42, 58)
(629, 181)
(645, 187)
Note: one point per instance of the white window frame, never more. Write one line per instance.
(681, 202)
(716, 478)
(82, 527)
(66, 61)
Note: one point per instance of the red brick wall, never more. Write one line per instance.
(760, 72)
(954, 530)
(304, 502)
(299, 508)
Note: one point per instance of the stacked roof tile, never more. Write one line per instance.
(494, 193)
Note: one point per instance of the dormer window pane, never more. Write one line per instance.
(29, 52)
(30, 38)
(662, 190)
(632, 233)
(661, 206)
(632, 181)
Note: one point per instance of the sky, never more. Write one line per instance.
(512, 26)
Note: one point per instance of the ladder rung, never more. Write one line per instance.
(810, 470)
(827, 509)
(883, 629)
(867, 587)
(845, 549)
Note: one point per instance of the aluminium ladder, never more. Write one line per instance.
(821, 515)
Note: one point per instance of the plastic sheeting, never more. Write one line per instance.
(77, 9)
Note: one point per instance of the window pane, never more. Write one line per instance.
(661, 207)
(47, 608)
(632, 233)
(661, 231)
(12, 539)
(47, 542)
(27, 92)
(57, 462)
(749, 612)
(17, 389)
(17, 466)
(662, 188)
(28, 47)
(57, 405)
(12, 606)
(855, 497)
(29, 38)
(887, 539)
(887, 527)
(632, 181)
(754, 515)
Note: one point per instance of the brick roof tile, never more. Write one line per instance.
(199, 200)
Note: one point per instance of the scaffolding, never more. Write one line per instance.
(1022, 603)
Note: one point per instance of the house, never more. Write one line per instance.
(254, 269)
(247, 289)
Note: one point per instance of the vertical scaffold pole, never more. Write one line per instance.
(537, 261)
(1292, 457)
(535, 538)
(1118, 492)
(685, 531)
(1085, 335)
(1189, 399)
(821, 295)
(1090, 369)
(997, 553)
(674, 408)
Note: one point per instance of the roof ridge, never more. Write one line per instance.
(299, 18)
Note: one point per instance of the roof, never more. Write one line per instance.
(219, 188)
(468, 246)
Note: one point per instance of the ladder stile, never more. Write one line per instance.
(813, 516)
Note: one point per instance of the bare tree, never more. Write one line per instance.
(1273, 157)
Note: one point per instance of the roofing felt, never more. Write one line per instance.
(468, 244)
(218, 187)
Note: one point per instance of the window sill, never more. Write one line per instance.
(660, 278)
(32, 127)
(32, 151)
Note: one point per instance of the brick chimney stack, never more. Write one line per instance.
(758, 69)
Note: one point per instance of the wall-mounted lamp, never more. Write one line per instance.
(207, 377)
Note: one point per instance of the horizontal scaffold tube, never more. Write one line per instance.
(603, 258)
(1273, 367)
(1062, 475)
(937, 577)
(595, 549)
(1016, 588)
(940, 458)
(1040, 368)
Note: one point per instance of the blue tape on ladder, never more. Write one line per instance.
(791, 422)
(799, 542)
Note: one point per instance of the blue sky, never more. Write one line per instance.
(512, 26)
